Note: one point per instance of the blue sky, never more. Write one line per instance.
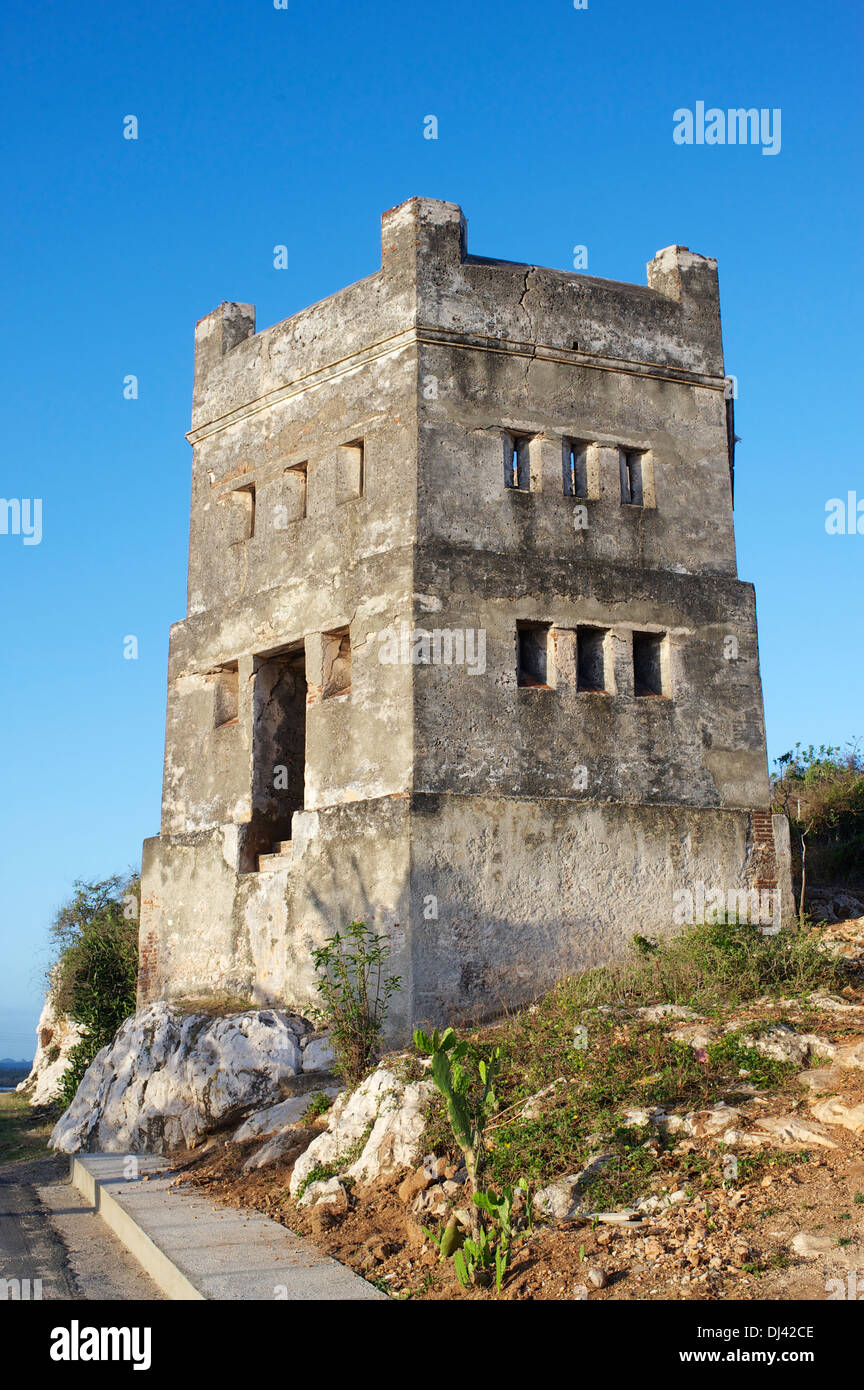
(299, 126)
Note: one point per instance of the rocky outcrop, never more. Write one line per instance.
(56, 1035)
(784, 1044)
(372, 1132)
(836, 904)
(170, 1079)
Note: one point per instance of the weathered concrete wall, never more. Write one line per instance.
(674, 321)
(702, 745)
(207, 930)
(550, 820)
(346, 563)
(481, 392)
(527, 891)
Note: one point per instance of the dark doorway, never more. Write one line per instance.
(278, 748)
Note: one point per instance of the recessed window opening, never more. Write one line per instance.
(632, 481)
(648, 663)
(575, 468)
(279, 694)
(354, 468)
(336, 672)
(295, 484)
(590, 656)
(517, 462)
(532, 654)
(226, 698)
(243, 498)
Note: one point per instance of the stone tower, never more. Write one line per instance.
(466, 654)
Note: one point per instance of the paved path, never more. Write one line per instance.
(49, 1232)
(196, 1249)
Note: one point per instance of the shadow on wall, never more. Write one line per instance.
(460, 968)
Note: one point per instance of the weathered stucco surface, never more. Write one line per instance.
(353, 480)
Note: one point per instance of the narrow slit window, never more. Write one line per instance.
(336, 671)
(353, 469)
(648, 663)
(226, 696)
(591, 658)
(632, 477)
(575, 468)
(517, 462)
(532, 654)
(295, 482)
(242, 501)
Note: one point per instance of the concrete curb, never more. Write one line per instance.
(193, 1249)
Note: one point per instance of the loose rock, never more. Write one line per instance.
(385, 1116)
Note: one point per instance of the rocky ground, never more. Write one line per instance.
(701, 1150)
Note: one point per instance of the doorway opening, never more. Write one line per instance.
(278, 751)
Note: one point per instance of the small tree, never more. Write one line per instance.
(821, 791)
(94, 975)
(355, 989)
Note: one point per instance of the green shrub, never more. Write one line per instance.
(94, 975)
(355, 989)
(709, 963)
(318, 1105)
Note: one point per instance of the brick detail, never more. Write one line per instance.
(762, 830)
(148, 957)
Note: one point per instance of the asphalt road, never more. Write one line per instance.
(49, 1232)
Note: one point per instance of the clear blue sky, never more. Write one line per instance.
(260, 127)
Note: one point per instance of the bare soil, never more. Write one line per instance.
(725, 1238)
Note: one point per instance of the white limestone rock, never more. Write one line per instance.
(811, 1246)
(784, 1044)
(834, 1111)
(703, 1124)
(328, 1193)
(656, 1013)
(830, 1003)
(274, 1118)
(662, 1202)
(277, 1146)
(822, 1078)
(386, 1115)
(318, 1055)
(563, 1199)
(790, 1129)
(560, 1199)
(851, 1055)
(657, 1118)
(170, 1079)
(56, 1035)
(533, 1107)
(697, 1036)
